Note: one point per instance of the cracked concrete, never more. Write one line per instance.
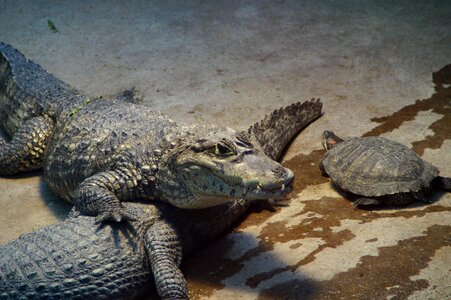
(230, 62)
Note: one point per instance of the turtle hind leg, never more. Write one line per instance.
(366, 202)
(25, 151)
(443, 183)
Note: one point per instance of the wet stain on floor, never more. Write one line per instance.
(320, 219)
(374, 277)
(439, 102)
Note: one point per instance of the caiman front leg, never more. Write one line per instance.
(101, 195)
(164, 250)
(25, 151)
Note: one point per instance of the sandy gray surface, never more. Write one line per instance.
(231, 62)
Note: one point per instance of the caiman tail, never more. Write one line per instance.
(33, 103)
(277, 129)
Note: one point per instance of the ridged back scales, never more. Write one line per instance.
(74, 259)
(376, 166)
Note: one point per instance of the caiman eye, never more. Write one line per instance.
(221, 150)
(224, 150)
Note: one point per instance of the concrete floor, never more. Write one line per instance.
(232, 62)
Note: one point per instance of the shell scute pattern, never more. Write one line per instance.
(377, 166)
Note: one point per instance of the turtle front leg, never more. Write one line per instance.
(25, 151)
(366, 202)
(323, 171)
(101, 194)
(164, 250)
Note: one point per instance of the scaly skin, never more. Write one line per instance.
(100, 152)
(33, 104)
(97, 163)
(77, 259)
(379, 171)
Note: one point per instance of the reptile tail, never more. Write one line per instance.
(277, 130)
(27, 90)
(443, 183)
(74, 259)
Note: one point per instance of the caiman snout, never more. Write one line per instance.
(265, 178)
(282, 181)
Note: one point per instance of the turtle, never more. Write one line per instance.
(379, 171)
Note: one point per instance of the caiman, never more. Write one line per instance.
(97, 153)
(78, 259)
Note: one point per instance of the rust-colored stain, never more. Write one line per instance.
(208, 268)
(374, 277)
(442, 77)
(332, 211)
(306, 168)
(439, 102)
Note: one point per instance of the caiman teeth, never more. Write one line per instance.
(274, 189)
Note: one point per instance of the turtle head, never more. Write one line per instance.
(223, 165)
(329, 140)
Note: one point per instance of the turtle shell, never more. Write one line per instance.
(376, 166)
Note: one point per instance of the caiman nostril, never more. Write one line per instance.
(278, 170)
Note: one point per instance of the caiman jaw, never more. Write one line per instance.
(269, 190)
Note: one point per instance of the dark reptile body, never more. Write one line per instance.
(78, 259)
(31, 96)
(30, 91)
(82, 137)
(91, 143)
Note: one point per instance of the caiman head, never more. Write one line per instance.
(223, 165)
